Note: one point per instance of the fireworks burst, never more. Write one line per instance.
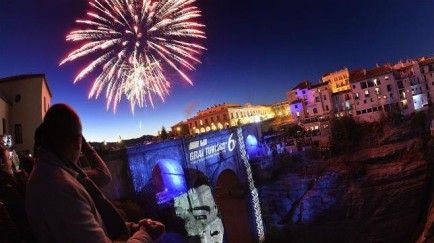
(135, 41)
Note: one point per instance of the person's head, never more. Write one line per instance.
(38, 139)
(5, 160)
(61, 131)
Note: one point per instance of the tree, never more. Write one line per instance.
(163, 134)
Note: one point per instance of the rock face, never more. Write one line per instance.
(381, 193)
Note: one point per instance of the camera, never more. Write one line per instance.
(6, 141)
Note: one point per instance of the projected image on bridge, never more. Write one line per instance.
(200, 214)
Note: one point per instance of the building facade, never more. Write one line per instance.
(180, 129)
(426, 66)
(366, 95)
(24, 101)
(309, 101)
(374, 92)
(225, 115)
(281, 109)
(338, 81)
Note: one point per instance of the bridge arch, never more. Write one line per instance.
(168, 180)
(229, 196)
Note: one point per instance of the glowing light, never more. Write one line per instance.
(134, 43)
(253, 190)
(251, 141)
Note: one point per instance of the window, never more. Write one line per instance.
(389, 88)
(354, 86)
(315, 110)
(224, 117)
(325, 97)
(386, 78)
(358, 112)
(356, 96)
(296, 106)
(364, 101)
(218, 117)
(303, 92)
(4, 126)
(195, 123)
(366, 93)
(400, 85)
(316, 99)
(18, 134)
(327, 107)
(232, 115)
(212, 119)
(377, 90)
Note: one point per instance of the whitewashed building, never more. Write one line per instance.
(24, 100)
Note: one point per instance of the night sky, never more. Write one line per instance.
(257, 50)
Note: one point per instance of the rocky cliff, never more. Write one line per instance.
(380, 192)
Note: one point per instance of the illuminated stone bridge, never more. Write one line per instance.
(205, 183)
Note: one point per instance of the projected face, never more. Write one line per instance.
(200, 213)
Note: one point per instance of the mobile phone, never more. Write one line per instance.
(6, 141)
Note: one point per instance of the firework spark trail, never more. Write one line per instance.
(135, 42)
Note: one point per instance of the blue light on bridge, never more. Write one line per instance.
(172, 182)
(251, 141)
(252, 147)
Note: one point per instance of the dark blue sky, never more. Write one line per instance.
(257, 50)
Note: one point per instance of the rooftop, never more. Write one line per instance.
(303, 85)
(366, 74)
(426, 61)
(27, 76)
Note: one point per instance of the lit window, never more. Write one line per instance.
(377, 90)
(366, 93)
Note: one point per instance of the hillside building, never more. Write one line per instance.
(426, 66)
